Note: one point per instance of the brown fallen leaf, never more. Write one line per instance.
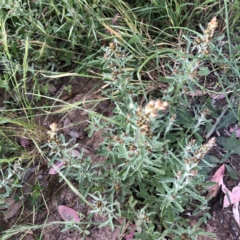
(197, 93)
(218, 179)
(8, 202)
(24, 142)
(51, 88)
(217, 96)
(71, 131)
(66, 124)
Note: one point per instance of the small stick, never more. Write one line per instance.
(216, 123)
(219, 118)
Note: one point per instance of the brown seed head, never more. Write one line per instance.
(112, 46)
(212, 25)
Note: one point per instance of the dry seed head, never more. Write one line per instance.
(198, 41)
(211, 142)
(106, 56)
(178, 174)
(212, 25)
(52, 134)
(117, 187)
(166, 104)
(53, 127)
(112, 46)
(160, 105)
(145, 127)
(205, 52)
(139, 111)
(153, 106)
(199, 188)
(153, 115)
(151, 103)
(149, 107)
(111, 65)
(173, 117)
(99, 204)
(202, 151)
(193, 172)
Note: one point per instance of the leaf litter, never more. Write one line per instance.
(230, 197)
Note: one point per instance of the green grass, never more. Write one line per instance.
(140, 51)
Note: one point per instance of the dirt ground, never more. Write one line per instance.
(57, 193)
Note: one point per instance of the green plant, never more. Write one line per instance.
(11, 171)
(152, 157)
(158, 70)
(36, 193)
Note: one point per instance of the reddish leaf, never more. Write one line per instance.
(218, 179)
(218, 176)
(68, 214)
(55, 169)
(75, 134)
(74, 153)
(131, 234)
(236, 213)
(232, 197)
(225, 189)
(237, 131)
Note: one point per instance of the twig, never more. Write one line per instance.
(216, 123)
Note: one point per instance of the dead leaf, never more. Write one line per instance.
(114, 20)
(83, 113)
(74, 153)
(24, 142)
(237, 131)
(66, 124)
(75, 134)
(236, 213)
(131, 234)
(197, 93)
(218, 179)
(70, 131)
(7, 202)
(14, 208)
(51, 88)
(68, 214)
(54, 169)
(217, 96)
(232, 197)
